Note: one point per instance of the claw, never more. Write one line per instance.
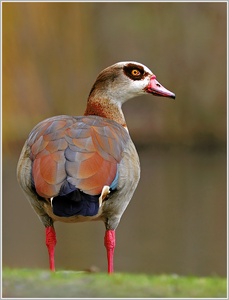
(51, 200)
(104, 193)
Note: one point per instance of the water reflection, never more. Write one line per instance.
(176, 222)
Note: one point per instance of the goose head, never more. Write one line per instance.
(125, 80)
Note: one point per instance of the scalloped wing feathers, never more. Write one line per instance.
(82, 152)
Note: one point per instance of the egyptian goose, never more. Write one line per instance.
(86, 168)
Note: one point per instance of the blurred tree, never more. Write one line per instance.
(52, 53)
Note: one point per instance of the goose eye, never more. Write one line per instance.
(135, 72)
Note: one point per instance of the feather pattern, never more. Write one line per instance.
(81, 152)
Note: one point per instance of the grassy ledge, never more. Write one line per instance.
(33, 283)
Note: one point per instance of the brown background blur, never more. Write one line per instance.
(52, 53)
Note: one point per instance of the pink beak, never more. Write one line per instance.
(157, 89)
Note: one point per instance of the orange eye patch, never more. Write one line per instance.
(135, 72)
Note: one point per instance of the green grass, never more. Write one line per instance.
(33, 283)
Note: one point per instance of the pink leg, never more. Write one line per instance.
(109, 243)
(51, 243)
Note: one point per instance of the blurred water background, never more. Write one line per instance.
(52, 53)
